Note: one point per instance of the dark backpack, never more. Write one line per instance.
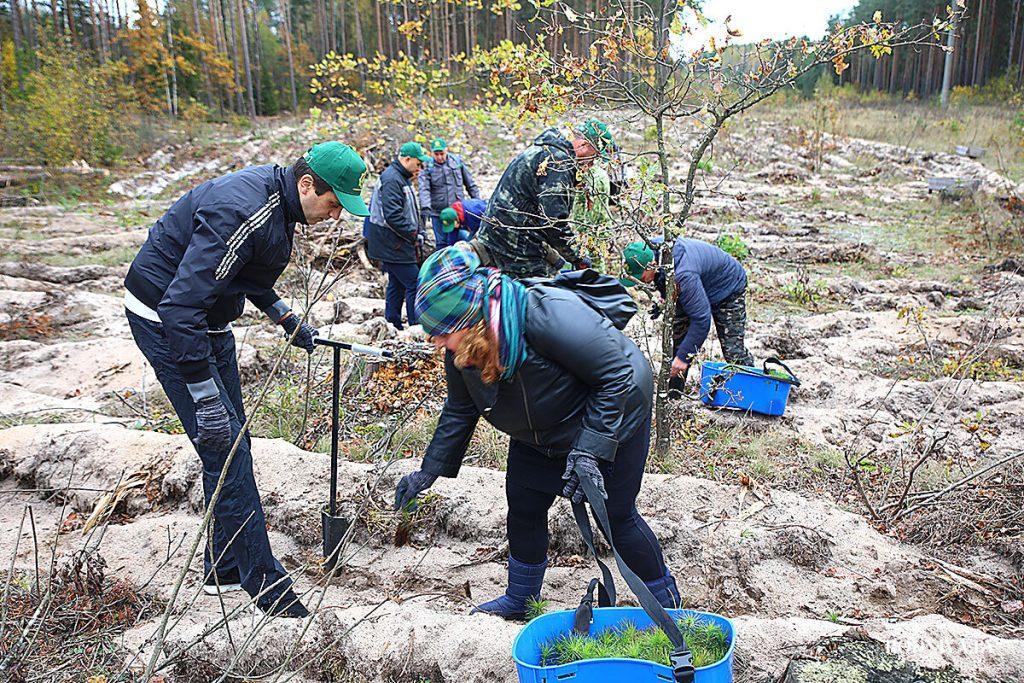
(603, 293)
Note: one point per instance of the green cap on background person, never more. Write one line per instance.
(636, 257)
(413, 150)
(449, 219)
(438, 145)
(595, 131)
(343, 169)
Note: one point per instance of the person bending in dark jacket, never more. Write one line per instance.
(526, 228)
(393, 234)
(712, 286)
(224, 242)
(572, 392)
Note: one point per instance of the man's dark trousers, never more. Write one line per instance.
(440, 238)
(730, 317)
(239, 528)
(401, 287)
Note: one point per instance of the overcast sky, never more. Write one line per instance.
(767, 19)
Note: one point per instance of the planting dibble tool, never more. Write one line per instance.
(334, 526)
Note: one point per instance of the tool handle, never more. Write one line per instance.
(354, 348)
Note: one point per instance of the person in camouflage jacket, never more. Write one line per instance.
(526, 227)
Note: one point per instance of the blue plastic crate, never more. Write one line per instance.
(526, 650)
(725, 385)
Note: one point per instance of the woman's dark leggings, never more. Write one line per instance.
(639, 547)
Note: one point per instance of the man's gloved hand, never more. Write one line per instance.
(303, 339)
(584, 262)
(580, 465)
(213, 426)
(412, 485)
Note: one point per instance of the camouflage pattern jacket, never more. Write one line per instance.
(529, 210)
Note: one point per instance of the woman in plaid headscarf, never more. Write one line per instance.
(572, 392)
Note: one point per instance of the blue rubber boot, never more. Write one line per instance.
(524, 582)
(665, 590)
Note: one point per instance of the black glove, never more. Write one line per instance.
(412, 485)
(303, 339)
(580, 465)
(213, 427)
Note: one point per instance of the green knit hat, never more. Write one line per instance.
(635, 259)
(449, 219)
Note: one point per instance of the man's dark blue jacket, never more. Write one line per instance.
(706, 276)
(394, 219)
(225, 240)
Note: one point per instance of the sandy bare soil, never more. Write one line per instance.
(876, 294)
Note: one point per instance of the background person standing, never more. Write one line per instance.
(393, 234)
(445, 180)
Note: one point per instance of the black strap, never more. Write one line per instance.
(681, 657)
(585, 612)
(775, 361)
(606, 588)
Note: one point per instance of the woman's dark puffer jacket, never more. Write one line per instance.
(584, 385)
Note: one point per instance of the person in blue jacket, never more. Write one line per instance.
(393, 234)
(460, 221)
(223, 242)
(445, 180)
(712, 287)
(470, 212)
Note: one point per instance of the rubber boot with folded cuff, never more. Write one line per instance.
(665, 590)
(524, 583)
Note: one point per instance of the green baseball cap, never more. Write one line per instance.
(635, 259)
(414, 150)
(449, 219)
(438, 145)
(595, 131)
(343, 169)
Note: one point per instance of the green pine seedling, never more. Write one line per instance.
(535, 607)
(706, 640)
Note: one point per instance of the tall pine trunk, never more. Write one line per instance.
(246, 63)
(285, 7)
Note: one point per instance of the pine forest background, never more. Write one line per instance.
(78, 76)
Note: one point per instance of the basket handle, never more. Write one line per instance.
(682, 659)
(775, 361)
(585, 612)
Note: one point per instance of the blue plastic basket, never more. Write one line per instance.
(526, 650)
(725, 385)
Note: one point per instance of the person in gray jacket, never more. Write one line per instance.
(393, 234)
(444, 181)
(547, 365)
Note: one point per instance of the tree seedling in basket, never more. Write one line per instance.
(706, 640)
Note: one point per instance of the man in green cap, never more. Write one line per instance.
(225, 242)
(445, 180)
(711, 286)
(526, 230)
(394, 233)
